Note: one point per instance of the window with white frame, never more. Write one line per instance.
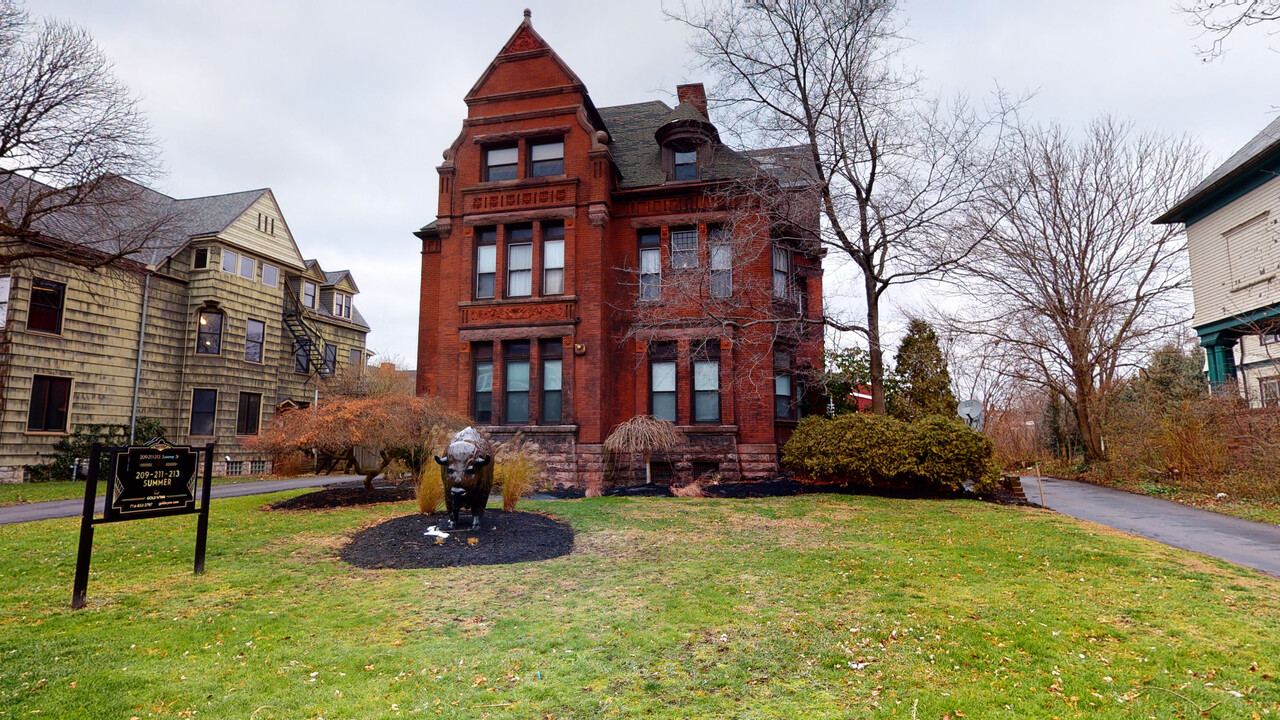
(662, 380)
(4, 301)
(230, 261)
(270, 275)
(1270, 391)
(553, 259)
(308, 294)
(247, 266)
(1269, 338)
(255, 334)
(721, 252)
(684, 248)
(781, 272)
(486, 262)
(342, 305)
(706, 382)
(650, 265)
(520, 261)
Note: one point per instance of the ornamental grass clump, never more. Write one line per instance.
(516, 470)
(644, 435)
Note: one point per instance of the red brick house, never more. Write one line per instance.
(587, 265)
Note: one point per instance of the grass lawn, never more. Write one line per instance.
(23, 493)
(808, 607)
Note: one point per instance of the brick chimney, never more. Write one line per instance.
(695, 95)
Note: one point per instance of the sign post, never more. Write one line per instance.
(152, 480)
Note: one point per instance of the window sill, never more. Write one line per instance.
(529, 429)
(46, 433)
(44, 333)
(707, 427)
(519, 300)
(518, 182)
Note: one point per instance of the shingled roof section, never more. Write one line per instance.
(212, 214)
(639, 157)
(1262, 144)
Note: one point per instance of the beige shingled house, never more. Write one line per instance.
(211, 332)
(1233, 238)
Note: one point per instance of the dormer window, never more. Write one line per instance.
(546, 158)
(686, 165)
(501, 163)
(342, 306)
(308, 294)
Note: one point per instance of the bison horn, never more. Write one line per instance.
(442, 461)
(483, 461)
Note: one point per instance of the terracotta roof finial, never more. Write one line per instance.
(528, 13)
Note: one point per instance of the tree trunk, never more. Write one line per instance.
(875, 349)
(1090, 433)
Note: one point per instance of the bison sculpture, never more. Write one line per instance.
(467, 472)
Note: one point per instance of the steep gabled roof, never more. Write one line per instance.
(337, 276)
(1242, 168)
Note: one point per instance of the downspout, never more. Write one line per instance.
(137, 369)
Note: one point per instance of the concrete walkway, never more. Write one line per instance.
(1244, 542)
(72, 508)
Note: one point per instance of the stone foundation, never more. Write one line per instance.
(712, 454)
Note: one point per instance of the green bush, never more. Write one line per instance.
(865, 449)
(936, 454)
(76, 445)
(946, 453)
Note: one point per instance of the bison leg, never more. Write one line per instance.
(454, 498)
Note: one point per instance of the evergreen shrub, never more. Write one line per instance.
(865, 449)
(935, 454)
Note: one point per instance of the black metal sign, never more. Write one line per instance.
(154, 480)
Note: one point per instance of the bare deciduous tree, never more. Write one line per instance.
(1073, 284)
(73, 146)
(1220, 18)
(894, 169)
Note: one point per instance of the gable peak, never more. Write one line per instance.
(525, 37)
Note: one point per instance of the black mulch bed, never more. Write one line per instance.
(346, 495)
(780, 487)
(504, 538)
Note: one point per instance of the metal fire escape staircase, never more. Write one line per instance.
(303, 333)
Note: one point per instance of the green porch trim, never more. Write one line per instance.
(1237, 326)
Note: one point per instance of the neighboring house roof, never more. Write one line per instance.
(639, 157)
(1243, 171)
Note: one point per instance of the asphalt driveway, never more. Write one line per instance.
(1243, 542)
(72, 508)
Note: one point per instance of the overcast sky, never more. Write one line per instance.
(343, 109)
